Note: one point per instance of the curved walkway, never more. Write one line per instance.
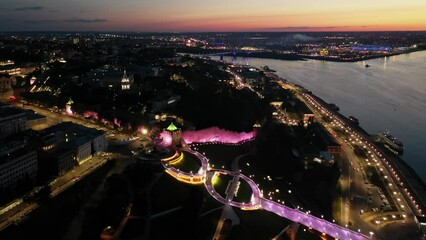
(206, 175)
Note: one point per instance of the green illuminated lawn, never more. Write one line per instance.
(244, 192)
(188, 163)
(222, 155)
(221, 183)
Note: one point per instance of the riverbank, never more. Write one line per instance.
(334, 59)
(270, 55)
(286, 56)
(408, 177)
(390, 95)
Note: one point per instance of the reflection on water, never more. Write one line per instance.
(389, 95)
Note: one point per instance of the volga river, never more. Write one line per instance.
(389, 95)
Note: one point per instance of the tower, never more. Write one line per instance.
(176, 134)
(256, 129)
(68, 109)
(125, 82)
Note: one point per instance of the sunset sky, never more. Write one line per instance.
(218, 15)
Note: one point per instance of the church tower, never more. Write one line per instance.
(176, 134)
(125, 82)
(256, 129)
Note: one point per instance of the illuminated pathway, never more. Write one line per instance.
(206, 175)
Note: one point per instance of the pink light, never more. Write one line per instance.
(117, 123)
(215, 134)
(167, 139)
(68, 110)
(91, 114)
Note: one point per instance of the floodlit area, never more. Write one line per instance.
(209, 176)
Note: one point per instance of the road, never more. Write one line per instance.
(392, 192)
(60, 184)
(359, 196)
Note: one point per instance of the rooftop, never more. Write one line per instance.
(172, 127)
(10, 111)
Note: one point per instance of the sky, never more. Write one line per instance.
(218, 15)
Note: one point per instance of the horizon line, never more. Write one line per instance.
(243, 31)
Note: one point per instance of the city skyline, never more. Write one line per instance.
(197, 16)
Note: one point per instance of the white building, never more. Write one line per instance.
(12, 120)
(65, 161)
(99, 143)
(17, 164)
(125, 82)
(83, 150)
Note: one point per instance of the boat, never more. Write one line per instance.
(390, 142)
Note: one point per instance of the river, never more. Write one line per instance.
(389, 95)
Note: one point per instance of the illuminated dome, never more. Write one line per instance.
(324, 52)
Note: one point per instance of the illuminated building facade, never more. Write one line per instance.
(256, 129)
(125, 82)
(6, 62)
(17, 163)
(324, 52)
(10, 69)
(68, 107)
(370, 48)
(176, 134)
(12, 120)
(5, 83)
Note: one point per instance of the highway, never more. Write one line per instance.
(21, 209)
(351, 138)
(360, 200)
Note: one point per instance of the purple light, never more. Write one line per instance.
(166, 139)
(117, 123)
(282, 210)
(215, 134)
(90, 114)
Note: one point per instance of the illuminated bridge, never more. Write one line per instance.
(233, 53)
(206, 175)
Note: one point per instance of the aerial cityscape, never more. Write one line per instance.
(213, 120)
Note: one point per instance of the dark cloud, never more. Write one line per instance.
(32, 8)
(84, 20)
(39, 21)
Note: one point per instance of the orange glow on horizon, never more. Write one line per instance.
(221, 15)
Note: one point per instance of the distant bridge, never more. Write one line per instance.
(234, 53)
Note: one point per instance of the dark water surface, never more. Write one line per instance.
(389, 95)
